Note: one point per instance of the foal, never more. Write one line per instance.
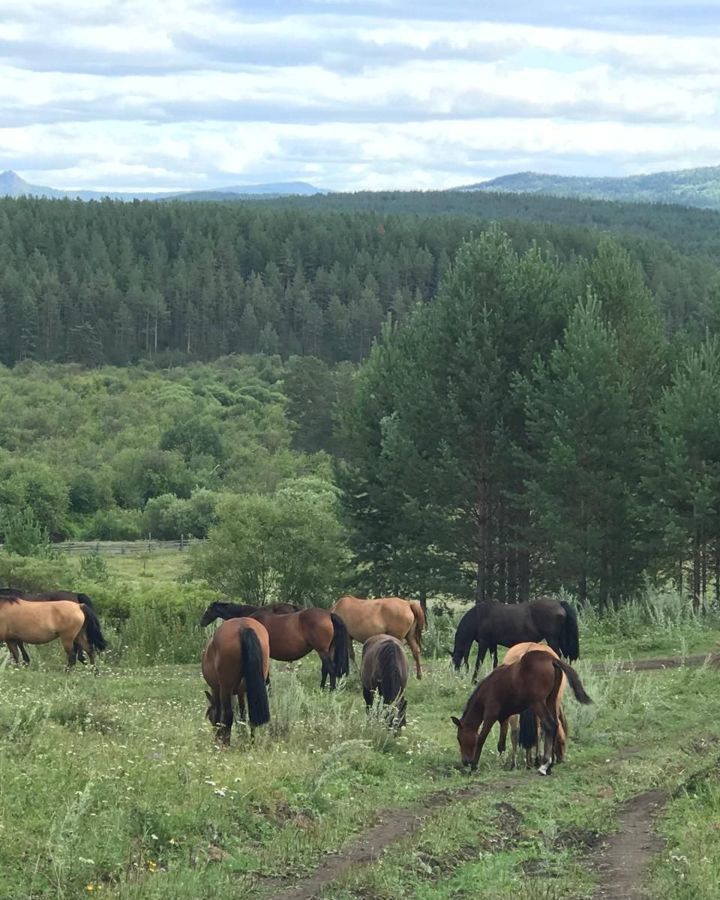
(531, 683)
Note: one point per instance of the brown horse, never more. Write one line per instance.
(236, 661)
(527, 730)
(532, 683)
(41, 621)
(221, 610)
(15, 646)
(384, 671)
(294, 635)
(403, 619)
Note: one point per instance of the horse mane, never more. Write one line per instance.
(9, 598)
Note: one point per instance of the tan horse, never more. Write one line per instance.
(513, 655)
(403, 619)
(41, 621)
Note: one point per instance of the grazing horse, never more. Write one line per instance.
(219, 610)
(403, 619)
(491, 623)
(525, 727)
(41, 621)
(15, 646)
(533, 682)
(293, 635)
(384, 671)
(236, 661)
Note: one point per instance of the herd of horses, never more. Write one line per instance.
(524, 694)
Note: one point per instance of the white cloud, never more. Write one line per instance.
(109, 95)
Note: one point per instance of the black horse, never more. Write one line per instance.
(219, 610)
(491, 623)
(48, 595)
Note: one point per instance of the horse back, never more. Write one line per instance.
(366, 618)
(222, 658)
(381, 652)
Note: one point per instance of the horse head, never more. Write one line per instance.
(209, 615)
(467, 739)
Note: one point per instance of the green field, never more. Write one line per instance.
(112, 786)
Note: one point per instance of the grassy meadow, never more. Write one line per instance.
(112, 786)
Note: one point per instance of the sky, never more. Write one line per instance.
(368, 94)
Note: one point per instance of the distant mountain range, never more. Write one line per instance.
(12, 185)
(688, 187)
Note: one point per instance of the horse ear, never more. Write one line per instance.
(455, 720)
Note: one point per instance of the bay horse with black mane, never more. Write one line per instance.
(36, 621)
(236, 662)
(294, 635)
(222, 610)
(15, 646)
(491, 624)
(533, 682)
(384, 671)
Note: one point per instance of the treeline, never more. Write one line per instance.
(535, 428)
(115, 283)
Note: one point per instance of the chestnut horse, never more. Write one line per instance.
(526, 726)
(403, 619)
(384, 671)
(41, 621)
(236, 661)
(533, 682)
(294, 635)
(15, 646)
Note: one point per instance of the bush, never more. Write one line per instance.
(23, 533)
(35, 574)
(114, 524)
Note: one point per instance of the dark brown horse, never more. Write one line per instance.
(236, 662)
(384, 671)
(492, 624)
(41, 621)
(15, 646)
(221, 610)
(531, 683)
(294, 635)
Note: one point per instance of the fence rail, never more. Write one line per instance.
(130, 548)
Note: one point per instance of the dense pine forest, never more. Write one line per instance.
(113, 283)
(394, 402)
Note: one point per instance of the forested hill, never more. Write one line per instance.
(113, 283)
(693, 187)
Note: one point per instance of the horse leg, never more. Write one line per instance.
(550, 727)
(69, 645)
(13, 648)
(328, 668)
(81, 644)
(482, 737)
(502, 740)
(561, 738)
(23, 651)
(224, 726)
(482, 650)
(415, 650)
(369, 698)
(514, 732)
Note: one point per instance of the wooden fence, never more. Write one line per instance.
(121, 548)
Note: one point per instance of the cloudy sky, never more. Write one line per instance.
(352, 94)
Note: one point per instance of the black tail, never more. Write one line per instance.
(391, 685)
(528, 729)
(83, 598)
(569, 636)
(92, 628)
(252, 671)
(341, 640)
(574, 679)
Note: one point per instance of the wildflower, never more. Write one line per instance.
(90, 887)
